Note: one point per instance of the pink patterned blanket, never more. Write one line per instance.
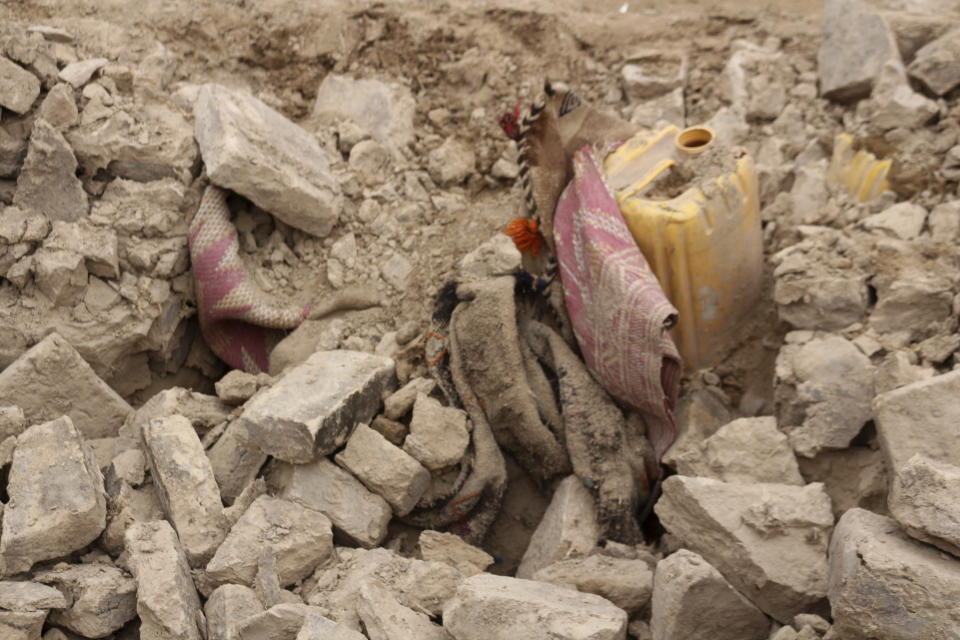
(619, 313)
(239, 322)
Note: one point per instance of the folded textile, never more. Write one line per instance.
(619, 313)
(239, 322)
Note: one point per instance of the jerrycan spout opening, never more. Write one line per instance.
(693, 141)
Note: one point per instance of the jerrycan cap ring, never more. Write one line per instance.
(693, 141)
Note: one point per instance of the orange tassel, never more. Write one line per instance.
(525, 234)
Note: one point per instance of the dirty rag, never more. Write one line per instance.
(239, 322)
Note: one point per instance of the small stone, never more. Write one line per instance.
(505, 169)
(98, 246)
(852, 477)
(668, 108)
(912, 304)
(236, 387)
(451, 549)
(568, 529)
(312, 409)
(626, 583)
(938, 348)
(18, 87)
(699, 415)
(186, 486)
(856, 44)
(811, 620)
(60, 275)
(872, 561)
(823, 391)
(895, 104)
(235, 460)
(29, 596)
(59, 107)
(317, 627)
(12, 422)
(323, 486)
(498, 256)
(692, 601)
(396, 271)
(57, 502)
(51, 34)
(301, 539)
(488, 606)
(937, 64)
(438, 435)
(227, 608)
(649, 74)
(395, 432)
(21, 625)
(167, 601)
(903, 220)
(925, 500)
(78, 74)
(768, 540)
(785, 633)
(371, 161)
(279, 622)
(251, 149)
(47, 182)
(102, 598)
(386, 110)
(451, 163)
(385, 469)
(944, 221)
(745, 450)
(384, 618)
(400, 402)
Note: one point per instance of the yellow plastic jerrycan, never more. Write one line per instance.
(704, 244)
(863, 176)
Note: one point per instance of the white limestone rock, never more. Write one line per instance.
(438, 435)
(857, 42)
(768, 540)
(489, 607)
(925, 500)
(451, 549)
(102, 598)
(625, 582)
(384, 618)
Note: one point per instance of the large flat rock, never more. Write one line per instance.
(314, 407)
(251, 149)
(51, 380)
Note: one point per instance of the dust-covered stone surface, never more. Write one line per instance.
(367, 486)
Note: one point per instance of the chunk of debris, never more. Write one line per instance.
(102, 598)
(384, 618)
(323, 486)
(227, 608)
(312, 409)
(18, 87)
(649, 74)
(317, 627)
(301, 539)
(856, 43)
(438, 435)
(624, 582)
(692, 601)
(236, 387)
(768, 540)
(59, 107)
(251, 149)
(745, 450)
(885, 585)
(29, 596)
(568, 529)
(185, 484)
(488, 606)
(498, 256)
(47, 182)
(451, 549)
(823, 391)
(451, 163)
(167, 601)
(279, 622)
(79, 73)
(903, 220)
(235, 460)
(386, 110)
(937, 64)
(385, 469)
(57, 502)
(925, 500)
(852, 477)
(60, 275)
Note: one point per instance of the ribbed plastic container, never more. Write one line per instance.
(706, 250)
(863, 176)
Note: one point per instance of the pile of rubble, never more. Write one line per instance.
(144, 500)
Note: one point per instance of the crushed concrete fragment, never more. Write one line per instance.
(451, 163)
(313, 408)
(385, 110)
(903, 220)
(768, 540)
(318, 627)
(488, 606)
(59, 107)
(186, 486)
(745, 450)
(301, 539)
(451, 549)
(79, 73)
(624, 582)
(649, 74)
(60, 275)
(12, 422)
(385, 469)
(856, 43)
(29, 596)
(251, 149)
(852, 477)
(279, 622)
(498, 256)
(823, 392)
(22, 625)
(692, 601)
(400, 402)
(936, 63)
(227, 608)
(235, 460)
(236, 387)
(47, 182)
(438, 435)
(384, 618)
(568, 529)
(167, 601)
(57, 503)
(323, 486)
(18, 87)
(98, 246)
(102, 598)
(925, 500)
(873, 561)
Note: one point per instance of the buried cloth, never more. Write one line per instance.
(239, 322)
